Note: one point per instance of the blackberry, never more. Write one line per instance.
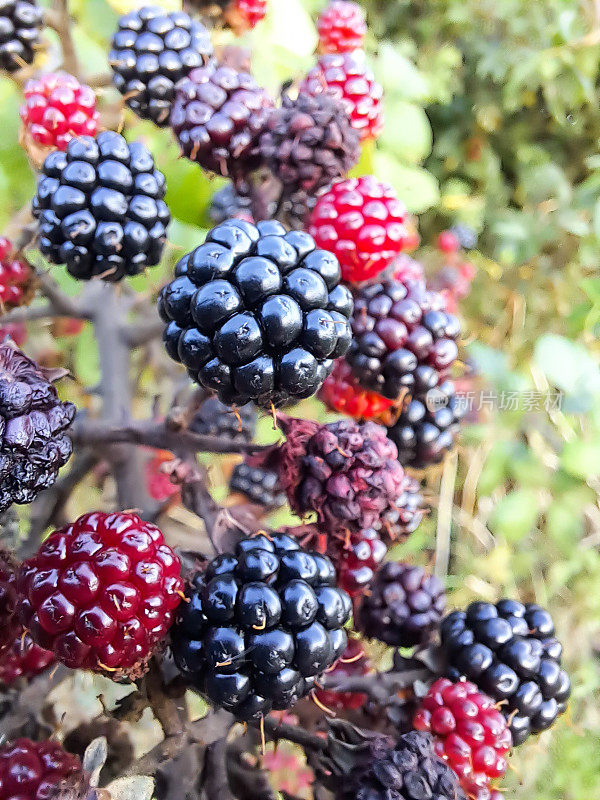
(257, 314)
(356, 564)
(214, 418)
(405, 514)
(227, 203)
(20, 29)
(261, 625)
(260, 486)
(308, 143)
(151, 51)
(404, 606)
(510, 652)
(342, 27)
(342, 392)
(100, 208)
(403, 339)
(218, 116)
(8, 601)
(427, 427)
(35, 770)
(34, 423)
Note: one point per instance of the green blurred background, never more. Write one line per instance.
(493, 120)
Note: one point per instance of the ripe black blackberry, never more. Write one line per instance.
(214, 418)
(257, 314)
(100, 208)
(151, 51)
(20, 28)
(404, 606)
(261, 625)
(260, 486)
(34, 423)
(427, 427)
(218, 116)
(403, 339)
(227, 203)
(510, 652)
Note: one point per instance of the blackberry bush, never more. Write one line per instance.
(256, 313)
(261, 625)
(100, 208)
(20, 31)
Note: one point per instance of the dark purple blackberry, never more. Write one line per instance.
(261, 626)
(403, 339)
(405, 513)
(308, 143)
(151, 51)
(227, 204)
(510, 652)
(214, 418)
(218, 116)
(260, 486)
(257, 314)
(100, 208)
(404, 606)
(20, 28)
(427, 427)
(34, 424)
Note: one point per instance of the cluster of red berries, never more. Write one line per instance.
(15, 277)
(342, 27)
(36, 770)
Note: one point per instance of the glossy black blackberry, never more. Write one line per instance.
(403, 339)
(427, 427)
(100, 208)
(20, 28)
(151, 51)
(261, 625)
(260, 486)
(214, 418)
(404, 606)
(256, 313)
(510, 652)
(227, 203)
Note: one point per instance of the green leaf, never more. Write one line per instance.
(515, 515)
(568, 366)
(407, 133)
(417, 188)
(581, 459)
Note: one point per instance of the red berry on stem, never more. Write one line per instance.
(35, 770)
(342, 27)
(15, 277)
(341, 392)
(352, 663)
(246, 14)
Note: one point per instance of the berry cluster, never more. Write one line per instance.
(23, 659)
(342, 27)
(256, 313)
(470, 734)
(15, 277)
(260, 486)
(100, 208)
(20, 29)
(151, 51)
(261, 625)
(8, 601)
(214, 418)
(509, 651)
(35, 770)
(101, 593)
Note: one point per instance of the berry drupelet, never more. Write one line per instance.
(342, 392)
(404, 606)
(214, 418)
(218, 117)
(261, 625)
(101, 593)
(361, 221)
(346, 77)
(353, 663)
(469, 732)
(256, 313)
(403, 339)
(510, 652)
(34, 424)
(23, 659)
(151, 51)
(427, 427)
(57, 108)
(20, 30)
(100, 208)
(16, 277)
(342, 27)
(308, 143)
(260, 486)
(35, 770)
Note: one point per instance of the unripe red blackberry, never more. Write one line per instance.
(405, 269)
(256, 313)
(357, 563)
(260, 486)
(447, 242)
(346, 77)
(353, 663)
(261, 625)
(244, 15)
(404, 606)
(151, 51)
(342, 392)
(158, 482)
(20, 30)
(469, 732)
(361, 221)
(23, 659)
(100, 208)
(308, 143)
(342, 27)
(16, 277)
(403, 339)
(101, 593)
(35, 770)
(218, 117)
(9, 625)
(34, 424)
(214, 418)
(57, 108)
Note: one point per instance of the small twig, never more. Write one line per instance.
(141, 332)
(309, 741)
(164, 708)
(59, 19)
(62, 304)
(444, 519)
